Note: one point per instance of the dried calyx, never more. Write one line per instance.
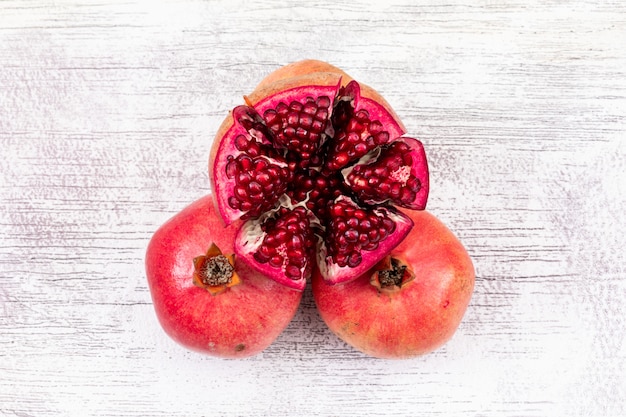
(315, 170)
(391, 274)
(214, 271)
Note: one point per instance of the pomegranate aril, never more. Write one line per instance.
(295, 106)
(351, 235)
(293, 272)
(375, 127)
(292, 118)
(242, 143)
(362, 116)
(354, 259)
(414, 184)
(276, 261)
(231, 167)
(282, 109)
(306, 121)
(260, 257)
(271, 118)
(381, 138)
(389, 225)
(310, 108)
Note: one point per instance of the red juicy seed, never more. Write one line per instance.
(270, 117)
(389, 225)
(255, 188)
(414, 184)
(241, 193)
(306, 121)
(231, 167)
(395, 190)
(354, 259)
(242, 143)
(243, 178)
(317, 126)
(302, 133)
(351, 235)
(382, 138)
(292, 272)
(297, 107)
(276, 261)
(362, 116)
(282, 109)
(260, 258)
(323, 101)
(292, 118)
(370, 246)
(353, 222)
(310, 108)
(360, 148)
(264, 178)
(375, 127)
(297, 259)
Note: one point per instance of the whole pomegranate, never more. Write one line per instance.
(314, 165)
(411, 303)
(205, 298)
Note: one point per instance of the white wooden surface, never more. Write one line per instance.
(107, 112)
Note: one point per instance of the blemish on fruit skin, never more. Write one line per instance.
(240, 347)
(446, 304)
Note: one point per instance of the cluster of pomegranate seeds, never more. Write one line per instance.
(316, 174)
(288, 242)
(351, 230)
(259, 183)
(354, 140)
(299, 127)
(316, 189)
(391, 176)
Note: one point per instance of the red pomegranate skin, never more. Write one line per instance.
(415, 319)
(239, 322)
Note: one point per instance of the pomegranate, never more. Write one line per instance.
(315, 165)
(411, 303)
(204, 297)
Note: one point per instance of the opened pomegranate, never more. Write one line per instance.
(314, 164)
(411, 303)
(205, 298)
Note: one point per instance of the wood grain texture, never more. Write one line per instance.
(107, 112)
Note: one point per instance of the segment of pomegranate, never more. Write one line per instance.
(299, 121)
(361, 124)
(356, 237)
(279, 244)
(314, 164)
(395, 172)
(253, 176)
